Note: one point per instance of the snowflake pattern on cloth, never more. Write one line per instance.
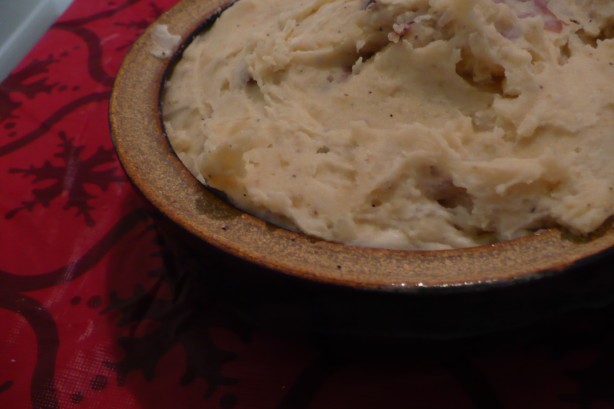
(70, 178)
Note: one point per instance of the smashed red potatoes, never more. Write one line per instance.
(410, 124)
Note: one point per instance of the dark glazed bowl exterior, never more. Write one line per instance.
(150, 163)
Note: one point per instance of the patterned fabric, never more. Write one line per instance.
(99, 308)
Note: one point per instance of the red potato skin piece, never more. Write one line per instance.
(552, 23)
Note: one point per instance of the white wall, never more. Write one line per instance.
(22, 23)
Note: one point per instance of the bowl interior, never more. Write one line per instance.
(150, 163)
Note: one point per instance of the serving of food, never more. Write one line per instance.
(404, 124)
(394, 145)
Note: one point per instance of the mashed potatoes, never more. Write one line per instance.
(416, 124)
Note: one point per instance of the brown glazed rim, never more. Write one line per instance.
(150, 163)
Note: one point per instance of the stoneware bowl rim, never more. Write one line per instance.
(152, 166)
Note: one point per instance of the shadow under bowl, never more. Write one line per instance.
(153, 167)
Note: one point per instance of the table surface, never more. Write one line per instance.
(96, 313)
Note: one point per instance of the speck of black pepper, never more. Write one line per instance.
(338, 267)
(75, 300)
(391, 116)
(225, 228)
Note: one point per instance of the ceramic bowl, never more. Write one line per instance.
(152, 166)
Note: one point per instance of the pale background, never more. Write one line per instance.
(22, 23)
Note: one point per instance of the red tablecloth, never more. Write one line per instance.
(90, 319)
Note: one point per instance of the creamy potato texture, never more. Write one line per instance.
(414, 124)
